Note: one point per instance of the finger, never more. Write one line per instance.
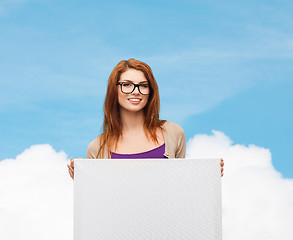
(222, 169)
(222, 162)
(80, 158)
(71, 174)
(71, 163)
(222, 174)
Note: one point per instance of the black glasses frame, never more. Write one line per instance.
(135, 85)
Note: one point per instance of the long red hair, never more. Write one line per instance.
(112, 126)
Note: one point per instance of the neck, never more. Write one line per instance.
(132, 121)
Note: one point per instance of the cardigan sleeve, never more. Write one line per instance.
(174, 139)
(181, 144)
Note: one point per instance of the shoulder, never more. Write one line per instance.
(95, 143)
(173, 128)
(93, 148)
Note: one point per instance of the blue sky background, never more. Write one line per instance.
(222, 65)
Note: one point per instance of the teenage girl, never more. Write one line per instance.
(132, 128)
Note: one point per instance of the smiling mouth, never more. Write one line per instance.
(134, 100)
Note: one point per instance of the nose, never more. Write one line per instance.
(135, 91)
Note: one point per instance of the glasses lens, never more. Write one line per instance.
(127, 87)
(144, 88)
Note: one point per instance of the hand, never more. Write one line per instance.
(71, 167)
(222, 167)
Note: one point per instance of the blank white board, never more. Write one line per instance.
(147, 199)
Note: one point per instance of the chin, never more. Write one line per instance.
(133, 108)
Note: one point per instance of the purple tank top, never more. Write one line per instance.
(154, 153)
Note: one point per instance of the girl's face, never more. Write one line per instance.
(135, 101)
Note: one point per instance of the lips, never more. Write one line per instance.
(134, 101)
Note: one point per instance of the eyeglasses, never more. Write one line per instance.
(128, 87)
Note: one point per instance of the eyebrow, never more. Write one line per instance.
(133, 82)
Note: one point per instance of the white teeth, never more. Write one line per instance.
(134, 100)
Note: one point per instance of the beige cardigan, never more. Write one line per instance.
(174, 136)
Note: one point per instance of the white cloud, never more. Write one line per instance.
(37, 199)
(257, 201)
(36, 196)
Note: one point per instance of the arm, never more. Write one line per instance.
(181, 144)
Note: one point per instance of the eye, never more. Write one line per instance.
(126, 84)
(144, 85)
